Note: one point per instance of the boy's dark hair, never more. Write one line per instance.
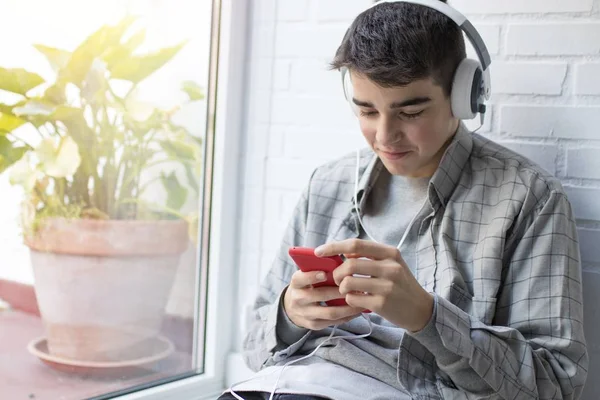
(394, 44)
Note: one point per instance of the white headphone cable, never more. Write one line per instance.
(330, 337)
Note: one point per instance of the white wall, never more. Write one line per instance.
(546, 80)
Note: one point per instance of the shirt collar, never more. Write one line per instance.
(453, 162)
(369, 169)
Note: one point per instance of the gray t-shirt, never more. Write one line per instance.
(391, 206)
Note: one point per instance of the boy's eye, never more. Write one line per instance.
(411, 115)
(367, 113)
(404, 115)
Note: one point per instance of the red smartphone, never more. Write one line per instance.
(305, 259)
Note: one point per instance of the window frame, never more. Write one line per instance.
(216, 301)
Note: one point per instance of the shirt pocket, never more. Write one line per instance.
(482, 308)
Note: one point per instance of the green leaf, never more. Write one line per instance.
(192, 179)
(56, 94)
(34, 108)
(9, 153)
(176, 193)
(45, 110)
(135, 40)
(119, 52)
(6, 109)
(193, 90)
(39, 111)
(116, 32)
(9, 122)
(196, 141)
(142, 127)
(57, 58)
(95, 46)
(18, 80)
(137, 68)
(178, 150)
(82, 134)
(64, 113)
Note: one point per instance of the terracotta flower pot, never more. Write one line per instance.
(102, 286)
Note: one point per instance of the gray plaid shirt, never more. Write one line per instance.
(497, 245)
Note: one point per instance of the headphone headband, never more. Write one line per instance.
(465, 25)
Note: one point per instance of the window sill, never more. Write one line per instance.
(23, 376)
(237, 371)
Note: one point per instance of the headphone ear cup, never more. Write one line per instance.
(466, 89)
(347, 82)
(348, 90)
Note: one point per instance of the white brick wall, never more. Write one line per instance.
(583, 162)
(487, 7)
(568, 122)
(586, 79)
(296, 10)
(546, 105)
(585, 201)
(589, 239)
(545, 39)
(544, 154)
(302, 41)
(524, 77)
(339, 10)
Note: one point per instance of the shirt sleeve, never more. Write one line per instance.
(271, 336)
(542, 353)
(287, 331)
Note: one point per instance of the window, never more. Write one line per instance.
(116, 222)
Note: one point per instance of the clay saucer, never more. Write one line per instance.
(98, 369)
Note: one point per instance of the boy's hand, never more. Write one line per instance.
(302, 303)
(393, 292)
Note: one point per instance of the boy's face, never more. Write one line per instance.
(409, 127)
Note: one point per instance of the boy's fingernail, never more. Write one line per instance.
(319, 251)
(321, 276)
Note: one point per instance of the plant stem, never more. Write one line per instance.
(98, 194)
(155, 206)
(40, 194)
(60, 189)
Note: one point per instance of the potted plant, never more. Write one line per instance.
(104, 249)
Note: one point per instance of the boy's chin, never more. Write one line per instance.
(408, 170)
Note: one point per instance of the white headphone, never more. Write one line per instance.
(471, 86)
